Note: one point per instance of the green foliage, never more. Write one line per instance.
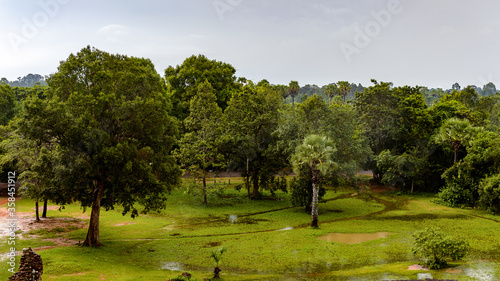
(436, 248)
(7, 104)
(106, 118)
(252, 117)
(217, 255)
(183, 81)
(489, 192)
(301, 190)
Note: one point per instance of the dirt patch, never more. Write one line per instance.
(454, 270)
(124, 223)
(381, 188)
(418, 267)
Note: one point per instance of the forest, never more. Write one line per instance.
(107, 131)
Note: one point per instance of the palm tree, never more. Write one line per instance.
(293, 90)
(331, 90)
(344, 88)
(316, 153)
(217, 255)
(458, 131)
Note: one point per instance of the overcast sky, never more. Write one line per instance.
(428, 43)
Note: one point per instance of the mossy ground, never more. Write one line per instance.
(266, 239)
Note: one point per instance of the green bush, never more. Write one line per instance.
(435, 247)
(489, 191)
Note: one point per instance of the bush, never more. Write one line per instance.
(489, 191)
(436, 247)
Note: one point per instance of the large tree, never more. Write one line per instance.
(183, 80)
(252, 117)
(293, 90)
(107, 117)
(315, 153)
(199, 149)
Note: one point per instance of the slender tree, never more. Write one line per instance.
(344, 89)
(199, 148)
(454, 130)
(293, 90)
(316, 153)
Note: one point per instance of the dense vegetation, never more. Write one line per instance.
(108, 130)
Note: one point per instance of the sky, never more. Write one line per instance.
(407, 42)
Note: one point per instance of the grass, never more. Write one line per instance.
(183, 235)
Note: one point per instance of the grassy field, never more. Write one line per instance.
(266, 239)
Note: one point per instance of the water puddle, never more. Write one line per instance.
(172, 266)
(353, 238)
(286, 228)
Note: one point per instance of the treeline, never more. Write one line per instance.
(109, 130)
(29, 80)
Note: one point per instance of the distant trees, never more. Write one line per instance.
(7, 104)
(293, 90)
(29, 80)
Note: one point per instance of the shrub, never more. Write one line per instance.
(435, 247)
(489, 191)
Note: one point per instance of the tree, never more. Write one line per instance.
(293, 90)
(107, 118)
(456, 86)
(183, 81)
(252, 117)
(344, 88)
(217, 256)
(332, 90)
(199, 148)
(7, 104)
(456, 131)
(315, 153)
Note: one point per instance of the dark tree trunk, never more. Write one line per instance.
(205, 190)
(36, 211)
(44, 212)
(247, 180)
(456, 146)
(217, 271)
(92, 239)
(255, 186)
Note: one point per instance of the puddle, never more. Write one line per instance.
(233, 218)
(172, 266)
(353, 238)
(286, 228)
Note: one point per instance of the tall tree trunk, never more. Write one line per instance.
(44, 212)
(36, 211)
(456, 146)
(92, 239)
(255, 179)
(314, 205)
(205, 189)
(247, 179)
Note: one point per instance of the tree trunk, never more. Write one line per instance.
(205, 189)
(255, 186)
(247, 180)
(92, 239)
(44, 212)
(36, 211)
(314, 205)
(456, 146)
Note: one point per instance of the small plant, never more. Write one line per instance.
(217, 255)
(436, 247)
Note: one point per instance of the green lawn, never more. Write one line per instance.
(266, 240)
